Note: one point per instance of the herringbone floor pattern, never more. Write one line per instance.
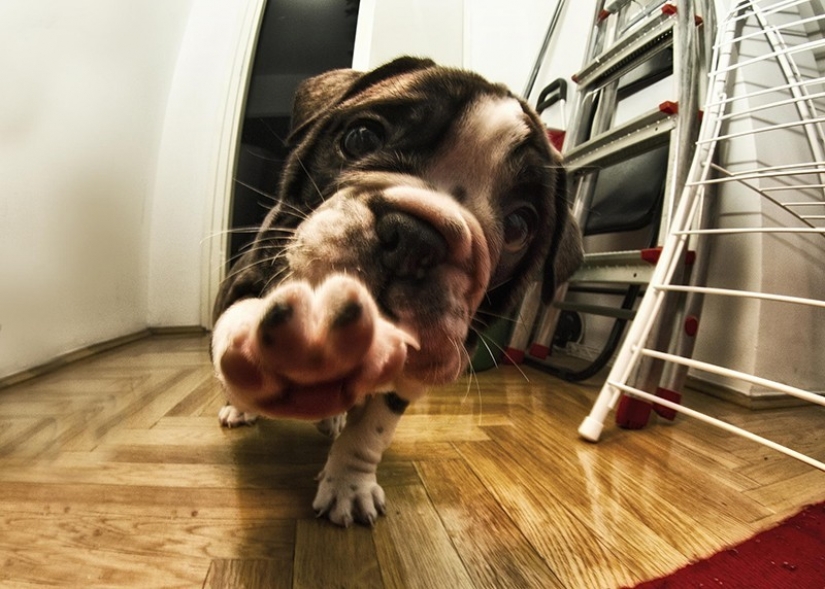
(115, 473)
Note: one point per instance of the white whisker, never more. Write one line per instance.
(499, 348)
(256, 190)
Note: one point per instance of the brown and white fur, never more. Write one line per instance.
(417, 203)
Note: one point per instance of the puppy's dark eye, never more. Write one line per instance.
(519, 227)
(362, 138)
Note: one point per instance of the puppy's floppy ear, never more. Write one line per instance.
(314, 95)
(401, 65)
(566, 251)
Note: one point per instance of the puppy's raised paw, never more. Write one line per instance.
(349, 497)
(230, 416)
(308, 352)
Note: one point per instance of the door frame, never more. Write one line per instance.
(219, 202)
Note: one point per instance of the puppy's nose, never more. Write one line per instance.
(410, 246)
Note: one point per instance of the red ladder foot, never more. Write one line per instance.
(632, 413)
(671, 396)
(513, 356)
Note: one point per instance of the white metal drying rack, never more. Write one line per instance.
(693, 220)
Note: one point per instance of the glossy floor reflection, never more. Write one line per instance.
(115, 473)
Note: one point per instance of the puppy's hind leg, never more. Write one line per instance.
(332, 427)
(231, 416)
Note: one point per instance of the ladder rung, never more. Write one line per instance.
(655, 36)
(635, 136)
(616, 291)
(624, 257)
(602, 311)
(618, 274)
(626, 267)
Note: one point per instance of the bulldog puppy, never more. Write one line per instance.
(417, 203)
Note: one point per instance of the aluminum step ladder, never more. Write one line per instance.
(632, 46)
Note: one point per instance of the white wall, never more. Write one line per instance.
(117, 124)
(499, 40)
(85, 84)
(391, 28)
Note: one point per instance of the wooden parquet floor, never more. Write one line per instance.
(115, 473)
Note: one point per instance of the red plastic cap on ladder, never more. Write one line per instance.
(513, 356)
(632, 413)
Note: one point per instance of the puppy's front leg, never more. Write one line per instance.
(230, 416)
(348, 489)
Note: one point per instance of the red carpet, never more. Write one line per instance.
(789, 556)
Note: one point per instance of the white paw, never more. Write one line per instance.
(348, 497)
(229, 416)
(332, 426)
